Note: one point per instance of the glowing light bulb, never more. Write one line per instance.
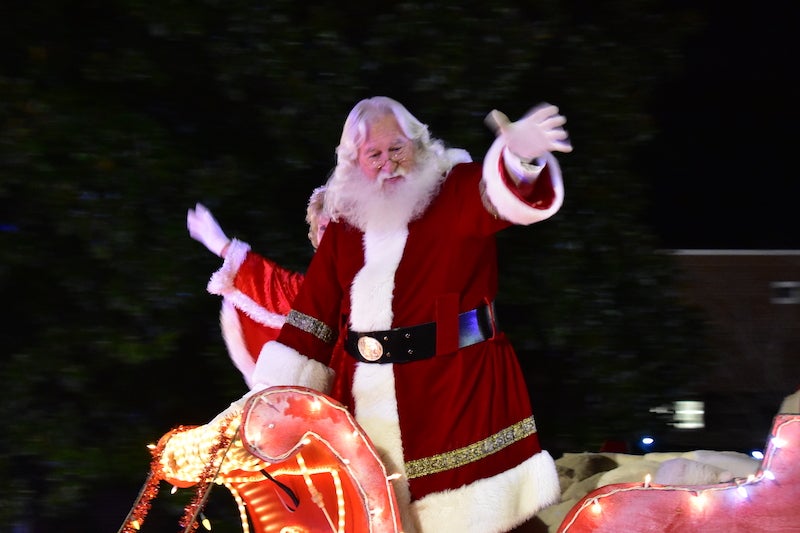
(757, 454)
(173, 490)
(647, 479)
(699, 501)
(778, 442)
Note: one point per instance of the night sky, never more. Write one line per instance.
(724, 167)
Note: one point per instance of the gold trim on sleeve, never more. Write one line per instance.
(474, 452)
(311, 325)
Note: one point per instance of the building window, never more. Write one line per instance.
(689, 414)
(784, 292)
(683, 414)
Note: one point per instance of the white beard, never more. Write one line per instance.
(385, 205)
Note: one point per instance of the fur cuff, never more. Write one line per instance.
(508, 205)
(221, 281)
(280, 365)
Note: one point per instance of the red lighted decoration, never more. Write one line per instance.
(317, 449)
(767, 502)
(295, 461)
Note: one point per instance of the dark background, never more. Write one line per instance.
(721, 163)
(118, 116)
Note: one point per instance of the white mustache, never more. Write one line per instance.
(386, 175)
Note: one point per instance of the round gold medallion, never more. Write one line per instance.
(369, 348)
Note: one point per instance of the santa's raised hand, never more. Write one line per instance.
(539, 131)
(204, 228)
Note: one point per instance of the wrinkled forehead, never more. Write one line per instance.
(383, 130)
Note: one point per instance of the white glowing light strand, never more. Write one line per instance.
(316, 495)
(359, 435)
(347, 465)
(740, 486)
(595, 505)
(776, 443)
(337, 482)
(240, 506)
(345, 462)
(699, 501)
(205, 521)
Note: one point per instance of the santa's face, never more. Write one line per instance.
(386, 154)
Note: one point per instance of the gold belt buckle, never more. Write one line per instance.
(369, 348)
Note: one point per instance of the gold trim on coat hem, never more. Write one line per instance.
(474, 452)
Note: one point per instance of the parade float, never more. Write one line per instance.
(765, 501)
(296, 461)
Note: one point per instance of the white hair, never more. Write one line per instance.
(314, 212)
(354, 133)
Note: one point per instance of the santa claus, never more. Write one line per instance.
(395, 317)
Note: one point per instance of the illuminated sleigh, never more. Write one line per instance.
(766, 502)
(295, 461)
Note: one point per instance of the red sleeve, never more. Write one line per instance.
(319, 303)
(268, 284)
(273, 289)
(539, 194)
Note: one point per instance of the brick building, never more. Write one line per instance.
(751, 299)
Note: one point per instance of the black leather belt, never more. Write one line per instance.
(403, 345)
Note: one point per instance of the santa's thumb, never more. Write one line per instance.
(497, 121)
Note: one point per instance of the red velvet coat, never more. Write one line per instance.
(458, 427)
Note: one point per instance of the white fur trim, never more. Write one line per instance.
(372, 288)
(492, 505)
(221, 283)
(234, 341)
(508, 206)
(457, 155)
(376, 411)
(373, 385)
(279, 364)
